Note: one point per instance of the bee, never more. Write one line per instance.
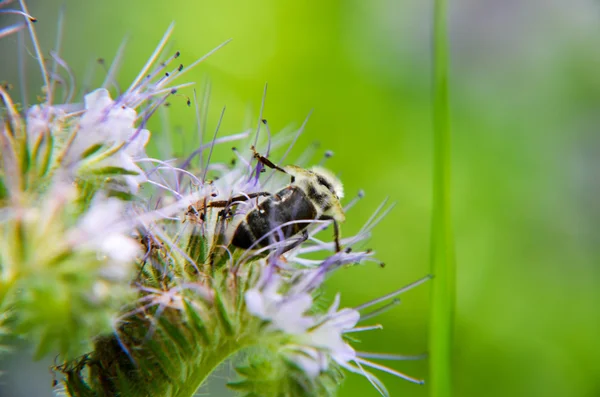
(313, 194)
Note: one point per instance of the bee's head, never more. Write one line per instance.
(317, 176)
(329, 180)
(322, 187)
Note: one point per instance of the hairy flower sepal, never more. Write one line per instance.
(169, 344)
(266, 372)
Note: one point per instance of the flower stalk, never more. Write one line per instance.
(443, 265)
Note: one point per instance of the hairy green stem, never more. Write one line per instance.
(202, 372)
(442, 241)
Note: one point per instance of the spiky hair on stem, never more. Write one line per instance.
(124, 264)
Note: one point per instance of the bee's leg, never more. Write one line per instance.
(216, 250)
(265, 161)
(222, 216)
(233, 200)
(249, 196)
(336, 236)
(336, 232)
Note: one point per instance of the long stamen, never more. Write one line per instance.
(199, 129)
(356, 199)
(22, 66)
(203, 119)
(71, 86)
(168, 166)
(361, 235)
(58, 43)
(114, 66)
(242, 159)
(381, 310)
(150, 94)
(390, 371)
(5, 2)
(212, 145)
(392, 357)
(7, 31)
(38, 52)
(289, 149)
(375, 382)
(149, 85)
(260, 115)
(145, 116)
(307, 154)
(198, 61)
(17, 12)
(214, 142)
(394, 293)
(269, 137)
(153, 57)
(167, 188)
(363, 329)
(326, 156)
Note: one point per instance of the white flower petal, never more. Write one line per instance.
(309, 361)
(121, 249)
(256, 304)
(345, 319)
(289, 315)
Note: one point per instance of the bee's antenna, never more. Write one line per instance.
(265, 161)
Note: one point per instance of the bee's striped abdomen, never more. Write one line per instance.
(289, 204)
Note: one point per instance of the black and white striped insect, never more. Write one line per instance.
(313, 194)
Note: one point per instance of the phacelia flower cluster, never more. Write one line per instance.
(144, 274)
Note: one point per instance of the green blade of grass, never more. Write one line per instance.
(442, 241)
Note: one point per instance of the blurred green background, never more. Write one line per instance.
(525, 99)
